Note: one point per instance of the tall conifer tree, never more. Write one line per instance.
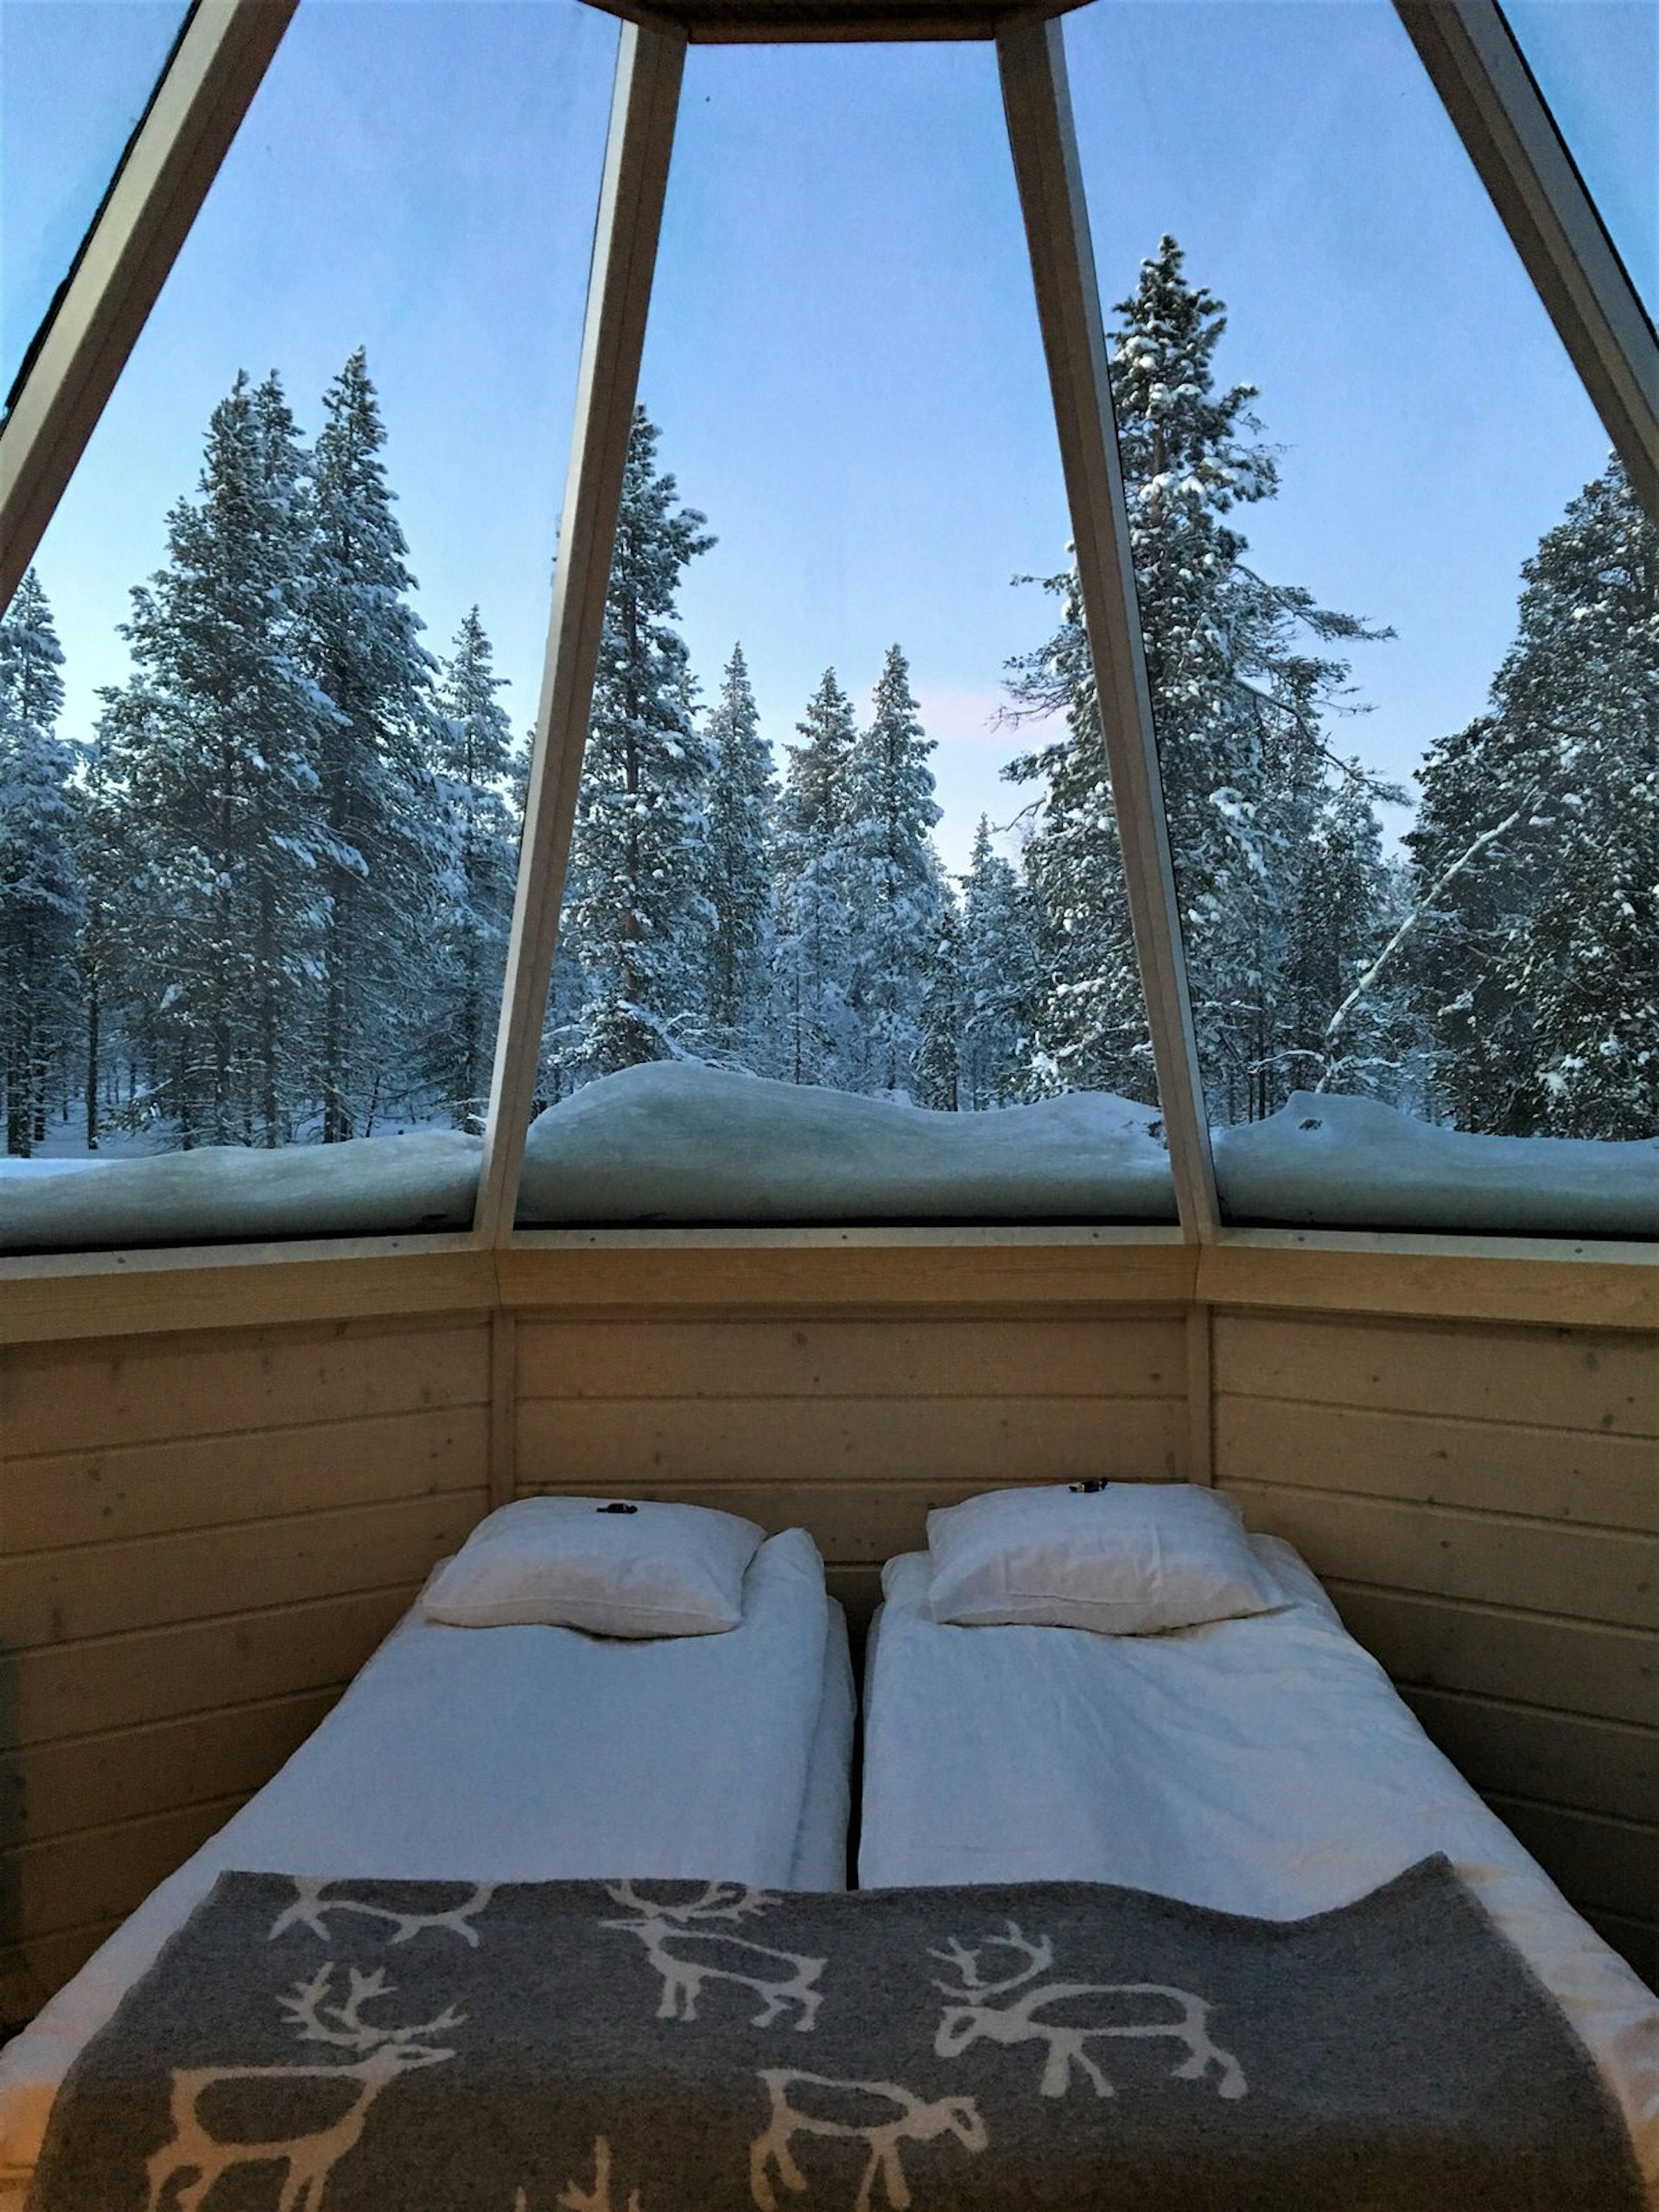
(40, 895)
(383, 848)
(999, 977)
(211, 748)
(812, 954)
(473, 757)
(742, 798)
(1536, 964)
(1239, 693)
(895, 887)
(638, 914)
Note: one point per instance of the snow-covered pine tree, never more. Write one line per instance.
(939, 1052)
(1088, 1016)
(999, 977)
(811, 958)
(207, 756)
(1536, 963)
(1346, 903)
(382, 851)
(896, 889)
(742, 797)
(39, 896)
(1238, 698)
(637, 916)
(105, 865)
(474, 758)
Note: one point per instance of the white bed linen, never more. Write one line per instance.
(1263, 1765)
(523, 1754)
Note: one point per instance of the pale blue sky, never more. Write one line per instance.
(842, 351)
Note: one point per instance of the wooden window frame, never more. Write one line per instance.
(206, 91)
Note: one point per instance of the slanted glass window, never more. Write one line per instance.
(845, 934)
(262, 697)
(75, 79)
(1399, 611)
(1597, 63)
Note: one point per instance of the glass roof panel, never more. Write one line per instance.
(1597, 63)
(1399, 611)
(778, 868)
(299, 586)
(75, 79)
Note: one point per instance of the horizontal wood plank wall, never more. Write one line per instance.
(1483, 1505)
(850, 1427)
(204, 1537)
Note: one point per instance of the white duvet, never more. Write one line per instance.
(1263, 1766)
(524, 1754)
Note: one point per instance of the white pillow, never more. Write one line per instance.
(1127, 1559)
(613, 1567)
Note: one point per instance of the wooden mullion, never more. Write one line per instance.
(216, 68)
(1038, 105)
(650, 63)
(1509, 135)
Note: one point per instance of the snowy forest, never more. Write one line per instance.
(266, 898)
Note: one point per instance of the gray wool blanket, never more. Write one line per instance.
(672, 2047)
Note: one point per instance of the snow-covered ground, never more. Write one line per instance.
(673, 1141)
(228, 1193)
(1352, 1163)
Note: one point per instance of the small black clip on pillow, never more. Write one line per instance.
(617, 1507)
(1089, 1488)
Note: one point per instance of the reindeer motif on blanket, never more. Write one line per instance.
(311, 1908)
(1011, 2009)
(688, 1952)
(573, 2197)
(911, 2119)
(382, 2053)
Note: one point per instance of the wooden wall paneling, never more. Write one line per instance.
(1200, 1398)
(158, 1765)
(1533, 1281)
(113, 1493)
(818, 1357)
(1583, 1379)
(894, 1275)
(1605, 1864)
(88, 1591)
(1605, 1575)
(578, 1444)
(1568, 1476)
(127, 1391)
(1570, 1666)
(125, 1681)
(1561, 1758)
(99, 1874)
(1635, 1940)
(37, 1966)
(503, 1406)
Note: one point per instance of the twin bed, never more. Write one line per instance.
(1256, 1771)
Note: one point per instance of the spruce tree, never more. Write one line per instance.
(637, 913)
(474, 758)
(738, 873)
(939, 1049)
(1240, 690)
(895, 891)
(209, 753)
(382, 853)
(811, 959)
(999, 977)
(1536, 960)
(40, 895)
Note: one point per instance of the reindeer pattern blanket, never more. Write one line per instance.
(307, 2046)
